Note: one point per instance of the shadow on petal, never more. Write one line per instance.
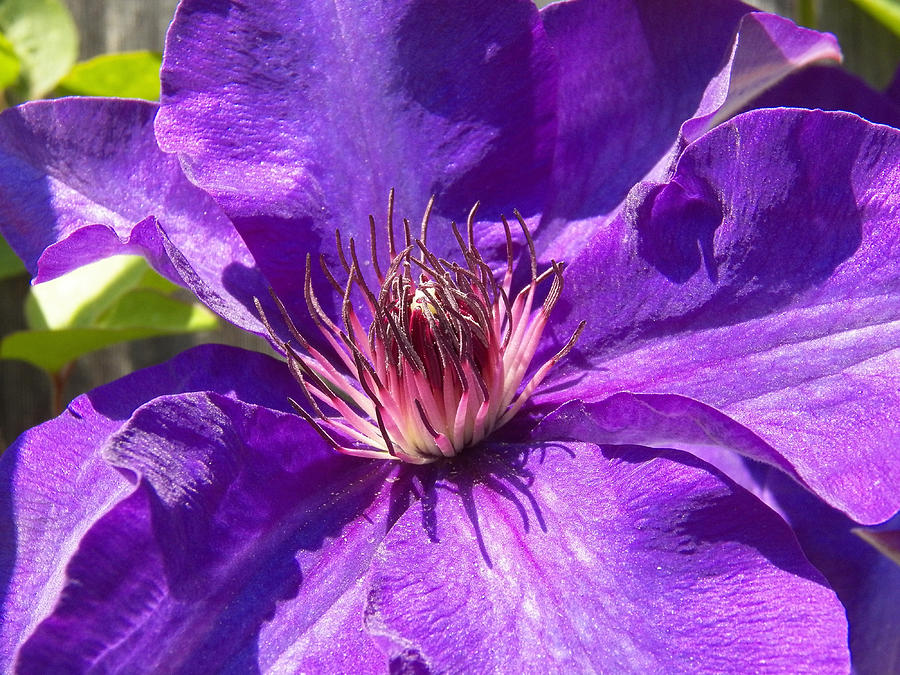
(501, 469)
(623, 560)
(238, 509)
(709, 522)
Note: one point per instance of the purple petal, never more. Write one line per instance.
(867, 583)
(628, 560)
(631, 73)
(238, 509)
(830, 88)
(767, 49)
(83, 179)
(659, 421)
(298, 117)
(336, 638)
(54, 485)
(763, 280)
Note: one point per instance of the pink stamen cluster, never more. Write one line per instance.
(444, 357)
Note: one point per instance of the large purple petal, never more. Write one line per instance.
(830, 88)
(867, 582)
(54, 485)
(762, 214)
(659, 421)
(53, 488)
(335, 637)
(767, 49)
(763, 280)
(82, 179)
(298, 117)
(631, 74)
(238, 509)
(627, 560)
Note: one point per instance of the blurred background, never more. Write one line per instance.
(29, 395)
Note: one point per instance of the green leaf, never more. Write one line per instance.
(126, 75)
(50, 350)
(886, 12)
(43, 36)
(113, 300)
(10, 265)
(153, 281)
(76, 299)
(144, 308)
(9, 63)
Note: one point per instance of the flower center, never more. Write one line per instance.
(445, 356)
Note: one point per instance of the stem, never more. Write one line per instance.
(58, 382)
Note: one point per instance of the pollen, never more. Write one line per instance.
(443, 360)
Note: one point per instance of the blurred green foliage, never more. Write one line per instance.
(44, 39)
(125, 75)
(112, 300)
(886, 12)
(10, 66)
(10, 265)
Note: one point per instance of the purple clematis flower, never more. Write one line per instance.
(737, 277)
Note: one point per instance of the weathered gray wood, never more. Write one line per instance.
(121, 25)
(24, 391)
